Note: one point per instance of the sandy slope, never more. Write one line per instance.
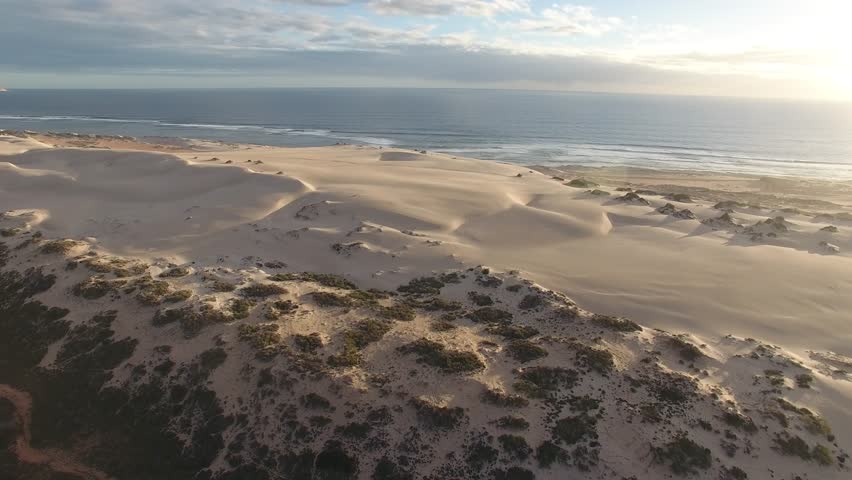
(382, 217)
(612, 257)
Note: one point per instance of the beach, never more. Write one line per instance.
(736, 286)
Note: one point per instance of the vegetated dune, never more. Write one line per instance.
(319, 313)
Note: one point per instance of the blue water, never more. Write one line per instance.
(543, 128)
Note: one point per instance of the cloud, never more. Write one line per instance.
(568, 20)
(273, 42)
(472, 8)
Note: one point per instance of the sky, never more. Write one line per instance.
(753, 48)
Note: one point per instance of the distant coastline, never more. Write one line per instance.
(527, 128)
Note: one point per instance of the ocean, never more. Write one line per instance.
(762, 137)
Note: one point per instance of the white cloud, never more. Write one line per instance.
(471, 8)
(568, 20)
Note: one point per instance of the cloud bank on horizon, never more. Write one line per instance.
(777, 48)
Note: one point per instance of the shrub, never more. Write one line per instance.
(539, 382)
(480, 299)
(490, 315)
(571, 430)
(329, 299)
(96, 287)
(308, 343)
(60, 247)
(356, 339)
(152, 292)
(262, 290)
(616, 323)
(513, 423)
(515, 332)
(596, 359)
(263, 338)
(502, 399)
(222, 286)
(581, 183)
(178, 296)
(324, 279)
(683, 456)
(531, 301)
(435, 304)
(436, 355)
(212, 358)
(240, 307)
(399, 311)
(515, 446)
(525, 351)
(792, 446)
(423, 286)
(822, 455)
(549, 453)
(739, 421)
(438, 417)
(804, 380)
(686, 350)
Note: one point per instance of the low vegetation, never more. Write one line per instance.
(448, 361)
(617, 324)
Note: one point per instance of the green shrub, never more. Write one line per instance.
(531, 301)
(616, 323)
(356, 339)
(739, 421)
(178, 296)
(515, 446)
(212, 358)
(525, 351)
(438, 417)
(263, 338)
(502, 399)
(571, 430)
(329, 299)
(324, 279)
(262, 290)
(222, 286)
(96, 287)
(684, 456)
(423, 286)
(804, 380)
(240, 307)
(399, 311)
(54, 247)
(596, 359)
(792, 446)
(490, 315)
(308, 343)
(549, 453)
(515, 332)
(822, 455)
(540, 382)
(436, 355)
(513, 423)
(480, 299)
(686, 350)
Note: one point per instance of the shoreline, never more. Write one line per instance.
(188, 142)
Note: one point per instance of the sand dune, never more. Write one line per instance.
(736, 279)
